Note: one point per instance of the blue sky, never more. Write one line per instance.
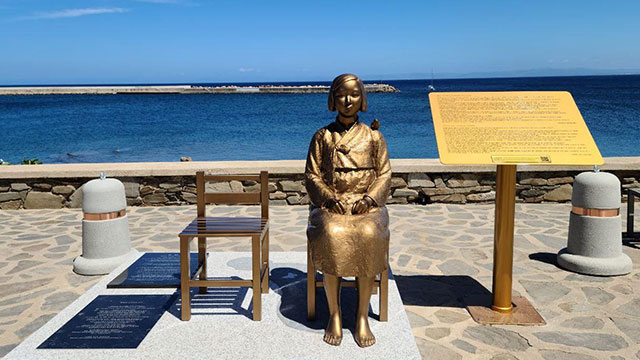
(157, 41)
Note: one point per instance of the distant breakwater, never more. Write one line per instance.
(183, 89)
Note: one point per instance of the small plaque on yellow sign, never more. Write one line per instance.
(523, 127)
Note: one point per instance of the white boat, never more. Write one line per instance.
(431, 88)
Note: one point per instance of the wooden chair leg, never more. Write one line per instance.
(384, 295)
(257, 291)
(185, 275)
(202, 260)
(311, 287)
(265, 262)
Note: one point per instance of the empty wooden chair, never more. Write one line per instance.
(203, 227)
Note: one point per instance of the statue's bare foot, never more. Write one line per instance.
(333, 333)
(363, 336)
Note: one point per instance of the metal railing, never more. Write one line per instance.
(630, 235)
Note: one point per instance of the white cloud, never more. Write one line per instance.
(243, 70)
(175, 2)
(71, 13)
(160, 1)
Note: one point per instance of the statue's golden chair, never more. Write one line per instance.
(202, 227)
(381, 282)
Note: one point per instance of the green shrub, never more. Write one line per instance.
(33, 161)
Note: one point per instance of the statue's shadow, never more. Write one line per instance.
(291, 285)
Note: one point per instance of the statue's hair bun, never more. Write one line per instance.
(375, 125)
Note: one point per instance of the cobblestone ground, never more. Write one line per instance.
(439, 253)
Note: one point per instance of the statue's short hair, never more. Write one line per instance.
(341, 79)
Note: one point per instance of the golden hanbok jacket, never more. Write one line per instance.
(346, 164)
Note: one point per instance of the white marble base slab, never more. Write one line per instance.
(224, 329)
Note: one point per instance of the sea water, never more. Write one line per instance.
(127, 128)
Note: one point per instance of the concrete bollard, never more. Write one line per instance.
(105, 228)
(594, 246)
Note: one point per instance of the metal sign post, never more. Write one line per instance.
(503, 237)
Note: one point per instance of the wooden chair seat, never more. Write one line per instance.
(203, 227)
(226, 226)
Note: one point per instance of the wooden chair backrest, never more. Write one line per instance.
(261, 198)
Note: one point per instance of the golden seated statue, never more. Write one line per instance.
(348, 177)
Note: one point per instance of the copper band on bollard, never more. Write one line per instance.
(105, 216)
(595, 212)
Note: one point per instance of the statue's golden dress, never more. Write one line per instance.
(347, 164)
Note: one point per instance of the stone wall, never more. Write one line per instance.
(288, 189)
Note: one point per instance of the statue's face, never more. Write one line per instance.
(347, 98)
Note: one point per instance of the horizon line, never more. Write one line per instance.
(635, 73)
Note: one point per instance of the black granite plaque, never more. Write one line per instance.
(154, 270)
(111, 322)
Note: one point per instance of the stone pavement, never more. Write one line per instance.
(439, 254)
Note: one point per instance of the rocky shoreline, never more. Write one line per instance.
(182, 89)
(288, 189)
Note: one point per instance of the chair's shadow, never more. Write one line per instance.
(217, 301)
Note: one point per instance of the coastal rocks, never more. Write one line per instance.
(420, 180)
(289, 189)
(236, 186)
(297, 186)
(146, 190)
(560, 180)
(437, 191)
(64, 190)
(399, 200)
(131, 190)
(155, 199)
(189, 197)
(533, 181)
(463, 180)
(561, 194)
(398, 182)
(298, 200)
(11, 205)
(42, 187)
(42, 200)
(278, 195)
(220, 187)
(449, 199)
(19, 187)
(481, 197)
(75, 200)
(405, 193)
(9, 196)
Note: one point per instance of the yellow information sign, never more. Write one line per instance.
(523, 127)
